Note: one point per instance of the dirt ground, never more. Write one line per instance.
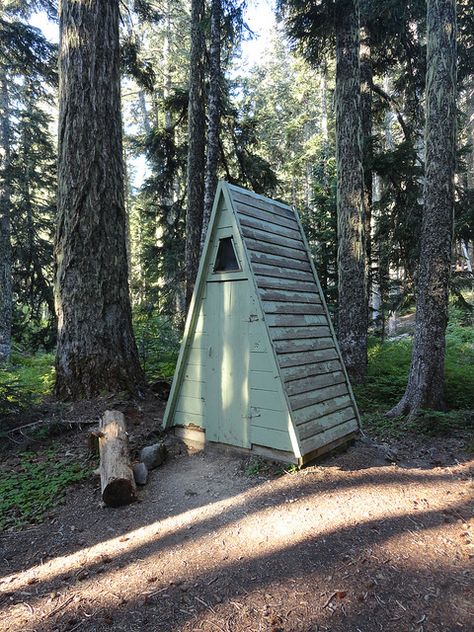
(360, 542)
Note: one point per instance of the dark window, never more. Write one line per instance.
(226, 259)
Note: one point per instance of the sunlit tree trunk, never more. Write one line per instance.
(5, 222)
(96, 348)
(425, 387)
(196, 152)
(213, 114)
(352, 288)
(366, 121)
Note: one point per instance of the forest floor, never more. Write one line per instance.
(379, 537)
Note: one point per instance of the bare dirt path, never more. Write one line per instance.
(354, 544)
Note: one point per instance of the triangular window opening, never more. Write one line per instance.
(226, 259)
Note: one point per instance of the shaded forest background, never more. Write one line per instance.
(277, 137)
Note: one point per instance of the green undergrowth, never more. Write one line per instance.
(389, 363)
(158, 341)
(25, 382)
(36, 484)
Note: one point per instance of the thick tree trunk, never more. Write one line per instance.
(5, 223)
(366, 121)
(196, 152)
(425, 387)
(352, 306)
(213, 115)
(96, 347)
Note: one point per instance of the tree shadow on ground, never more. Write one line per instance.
(281, 583)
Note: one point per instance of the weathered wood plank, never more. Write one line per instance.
(302, 358)
(331, 420)
(294, 333)
(306, 370)
(314, 382)
(194, 372)
(273, 249)
(264, 205)
(192, 405)
(268, 400)
(193, 388)
(198, 341)
(295, 320)
(276, 307)
(277, 283)
(316, 411)
(265, 436)
(264, 380)
(305, 344)
(279, 260)
(181, 418)
(289, 296)
(272, 239)
(315, 397)
(326, 437)
(261, 418)
(282, 272)
(269, 227)
(266, 216)
(262, 361)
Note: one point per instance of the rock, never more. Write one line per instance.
(140, 472)
(153, 455)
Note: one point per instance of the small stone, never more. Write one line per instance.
(153, 455)
(140, 473)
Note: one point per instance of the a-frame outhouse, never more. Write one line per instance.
(259, 366)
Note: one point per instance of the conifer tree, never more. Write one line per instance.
(96, 348)
(425, 387)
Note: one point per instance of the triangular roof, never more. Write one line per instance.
(321, 409)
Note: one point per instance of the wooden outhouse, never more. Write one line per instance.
(259, 366)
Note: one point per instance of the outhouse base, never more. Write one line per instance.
(195, 438)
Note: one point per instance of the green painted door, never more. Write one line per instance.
(227, 401)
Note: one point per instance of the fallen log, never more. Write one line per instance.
(116, 474)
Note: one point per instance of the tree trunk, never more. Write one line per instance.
(96, 348)
(196, 151)
(213, 115)
(352, 288)
(366, 121)
(5, 224)
(425, 388)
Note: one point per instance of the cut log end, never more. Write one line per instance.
(118, 492)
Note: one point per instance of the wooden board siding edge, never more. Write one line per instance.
(331, 326)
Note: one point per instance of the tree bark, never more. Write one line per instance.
(116, 474)
(5, 223)
(213, 115)
(352, 287)
(196, 151)
(96, 348)
(425, 388)
(366, 121)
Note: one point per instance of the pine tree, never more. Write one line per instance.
(5, 221)
(197, 144)
(425, 387)
(96, 349)
(352, 288)
(214, 114)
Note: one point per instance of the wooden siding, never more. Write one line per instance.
(309, 363)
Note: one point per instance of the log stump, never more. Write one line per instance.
(116, 473)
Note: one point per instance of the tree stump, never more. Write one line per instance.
(116, 474)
